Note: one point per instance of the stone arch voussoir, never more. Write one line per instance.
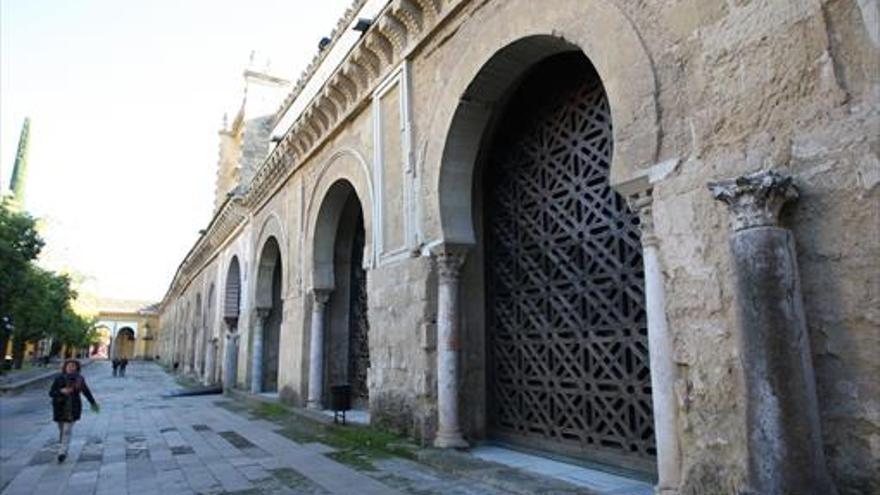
(272, 228)
(498, 46)
(344, 166)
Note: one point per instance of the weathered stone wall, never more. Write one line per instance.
(401, 301)
(758, 86)
(738, 86)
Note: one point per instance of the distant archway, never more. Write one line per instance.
(231, 310)
(269, 306)
(339, 250)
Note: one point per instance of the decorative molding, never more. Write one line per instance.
(397, 30)
(755, 200)
(642, 204)
(341, 25)
(409, 13)
(228, 218)
(399, 79)
(449, 263)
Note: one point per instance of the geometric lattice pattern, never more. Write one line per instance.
(359, 324)
(566, 303)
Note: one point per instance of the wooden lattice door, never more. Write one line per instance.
(359, 324)
(567, 332)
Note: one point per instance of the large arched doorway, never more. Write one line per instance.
(269, 307)
(231, 309)
(565, 312)
(340, 240)
(123, 343)
(555, 352)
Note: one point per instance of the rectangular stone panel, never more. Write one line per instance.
(392, 167)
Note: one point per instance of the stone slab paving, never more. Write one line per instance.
(143, 444)
(598, 481)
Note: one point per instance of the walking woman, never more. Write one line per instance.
(66, 403)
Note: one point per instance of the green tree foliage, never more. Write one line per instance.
(19, 246)
(34, 303)
(40, 311)
(76, 330)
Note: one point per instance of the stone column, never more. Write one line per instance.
(209, 362)
(449, 263)
(257, 351)
(316, 348)
(189, 356)
(660, 349)
(230, 354)
(784, 441)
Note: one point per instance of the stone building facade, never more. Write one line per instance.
(126, 329)
(484, 216)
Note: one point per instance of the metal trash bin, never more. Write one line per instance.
(340, 400)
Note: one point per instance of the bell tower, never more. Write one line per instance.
(245, 141)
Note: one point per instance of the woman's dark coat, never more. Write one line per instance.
(68, 408)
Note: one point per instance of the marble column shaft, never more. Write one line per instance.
(660, 349)
(230, 354)
(209, 363)
(448, 349)
(784, 441)
(257, 351)
(316, 348)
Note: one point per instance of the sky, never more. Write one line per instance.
(125, 100)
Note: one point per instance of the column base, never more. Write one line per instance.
(665, 491)
(452, 440)
(314, 405)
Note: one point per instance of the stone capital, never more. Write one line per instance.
(449, 263)
(321, 297)
(231, 322)
(755, 200)
(642, 204)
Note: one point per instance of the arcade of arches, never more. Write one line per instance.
(493, 224)
(125, 329)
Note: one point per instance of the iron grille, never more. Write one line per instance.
(566, 318)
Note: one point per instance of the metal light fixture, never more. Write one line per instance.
(362, 25)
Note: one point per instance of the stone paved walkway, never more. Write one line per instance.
(143, 444)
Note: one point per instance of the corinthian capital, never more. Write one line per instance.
(321, 298)
(449, 264)
(755, 200)
(641, 204)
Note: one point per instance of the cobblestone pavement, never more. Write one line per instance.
(141, 444)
